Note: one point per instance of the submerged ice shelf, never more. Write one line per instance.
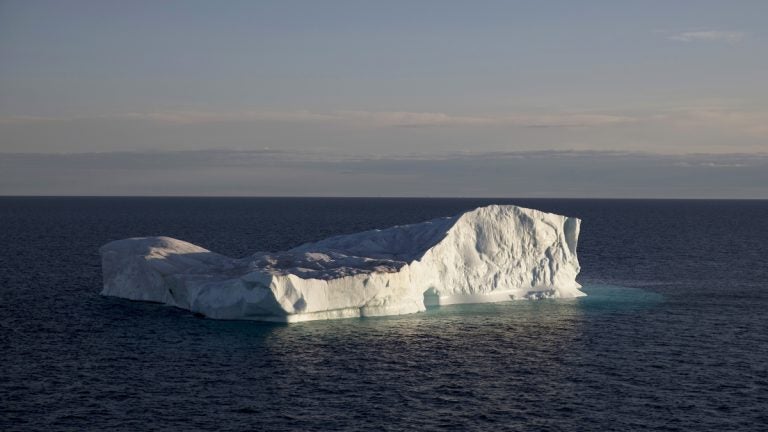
(489, 254)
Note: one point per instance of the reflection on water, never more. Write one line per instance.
(540, 321)
(509, 356)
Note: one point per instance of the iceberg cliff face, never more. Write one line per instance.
(489, 254)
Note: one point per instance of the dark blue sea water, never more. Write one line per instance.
(673, 336)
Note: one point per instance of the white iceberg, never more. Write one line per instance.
(490, 254)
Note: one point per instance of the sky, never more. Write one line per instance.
(389, 98)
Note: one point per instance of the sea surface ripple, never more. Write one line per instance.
(672, 337)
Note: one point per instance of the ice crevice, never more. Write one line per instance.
(489, 254)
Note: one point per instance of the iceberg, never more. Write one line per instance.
(490, 254)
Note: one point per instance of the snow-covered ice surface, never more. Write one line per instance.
(493, 253)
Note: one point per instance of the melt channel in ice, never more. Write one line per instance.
(490, 254)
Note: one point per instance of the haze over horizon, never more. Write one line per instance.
(354, 98)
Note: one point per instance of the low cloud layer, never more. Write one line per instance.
(467, 174)
(708, 36)
(710, 129)
(345, 117)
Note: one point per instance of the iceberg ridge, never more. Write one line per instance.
(493, 253)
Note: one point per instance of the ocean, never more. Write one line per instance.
(673, 335)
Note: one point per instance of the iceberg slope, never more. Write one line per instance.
(493, 253)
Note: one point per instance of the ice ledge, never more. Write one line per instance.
(490, 254)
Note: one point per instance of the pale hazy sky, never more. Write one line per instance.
(473, 98)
